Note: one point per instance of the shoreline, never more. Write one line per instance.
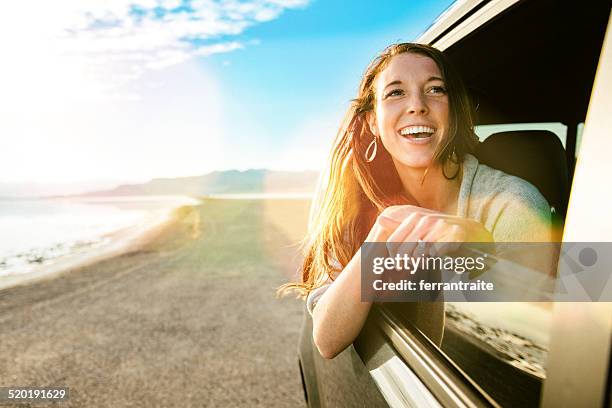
(134, 237)
(190, 316)
(119, 242)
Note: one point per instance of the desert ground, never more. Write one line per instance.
(188, 317)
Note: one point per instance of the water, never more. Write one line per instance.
(261, 196)
(41, 231)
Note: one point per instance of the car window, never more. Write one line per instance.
(501, 346)
(504, 347)
(579, 131)
(559, 129)
(508, 339)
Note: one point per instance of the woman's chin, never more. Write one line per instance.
(413, 162)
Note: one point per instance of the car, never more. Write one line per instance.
(540, 74)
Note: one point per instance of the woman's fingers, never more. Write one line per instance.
(446, 239)
(382, 229)
(410, 230)
(387, 222)
(401, 212)
(432, 238)
(410, 241)
(433, 230)
(398, 236)
(423, 227)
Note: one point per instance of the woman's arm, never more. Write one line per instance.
(340, 314)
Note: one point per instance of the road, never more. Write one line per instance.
(189, 319)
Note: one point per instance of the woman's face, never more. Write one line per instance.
(411, 112)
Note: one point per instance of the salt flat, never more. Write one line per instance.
(188, 318)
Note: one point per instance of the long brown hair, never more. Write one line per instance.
(356, 191)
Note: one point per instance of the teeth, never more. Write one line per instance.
(411, 130)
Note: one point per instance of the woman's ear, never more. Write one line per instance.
(371, 119)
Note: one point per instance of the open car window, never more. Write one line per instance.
(525, 77)
(558, 128)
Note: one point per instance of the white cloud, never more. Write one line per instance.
(92, 90)
(289, 3)
(267, 14)
(219, 48)
(115, 41)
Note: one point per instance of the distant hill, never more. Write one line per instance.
(222, 182)
(25, 190)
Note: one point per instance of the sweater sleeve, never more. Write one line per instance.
(524, 215)
(314, 296)
(524, 220)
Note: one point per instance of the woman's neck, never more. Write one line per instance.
(431, 189)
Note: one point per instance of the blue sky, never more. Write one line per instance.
(308, 66)
(115, 90)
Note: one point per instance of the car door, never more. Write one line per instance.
(343, 381)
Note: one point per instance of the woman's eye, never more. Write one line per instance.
(437, 90)
(394, 92)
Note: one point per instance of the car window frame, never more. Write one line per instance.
(574, 378)
(450, 386)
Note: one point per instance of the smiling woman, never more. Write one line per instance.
(400, 88)
(403, 171)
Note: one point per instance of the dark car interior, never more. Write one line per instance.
(542, 72)
(548, 67)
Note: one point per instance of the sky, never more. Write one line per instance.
(99, 90)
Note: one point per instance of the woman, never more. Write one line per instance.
(402, 171)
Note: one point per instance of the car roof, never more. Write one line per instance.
(523, 61)
(458, 13)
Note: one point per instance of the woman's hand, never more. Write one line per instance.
(340, 314)
(414, 231)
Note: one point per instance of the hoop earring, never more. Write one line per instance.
(370, 153)
(451, 159)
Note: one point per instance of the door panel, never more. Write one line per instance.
(342, 381)
(409, 368)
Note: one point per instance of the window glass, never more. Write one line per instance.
(484, 131)
(579, 131)
(501, 346)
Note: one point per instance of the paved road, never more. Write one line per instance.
(189, 319)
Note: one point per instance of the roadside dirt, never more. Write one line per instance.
(189, 319)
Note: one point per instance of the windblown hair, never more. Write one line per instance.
(356, 191)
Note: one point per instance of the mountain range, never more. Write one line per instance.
(221, 182)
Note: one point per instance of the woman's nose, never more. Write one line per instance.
(416, 105)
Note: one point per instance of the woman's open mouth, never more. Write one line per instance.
(419, 134)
